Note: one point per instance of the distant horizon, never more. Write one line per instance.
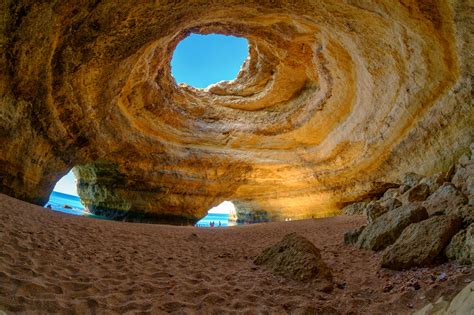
(63, 193)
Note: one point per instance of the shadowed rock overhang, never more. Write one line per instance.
(335, 98)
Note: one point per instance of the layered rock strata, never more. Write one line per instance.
(335, 98)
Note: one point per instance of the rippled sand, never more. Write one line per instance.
(55, 262)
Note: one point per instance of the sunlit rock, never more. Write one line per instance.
(335, 98)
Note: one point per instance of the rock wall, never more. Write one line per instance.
(335, 98)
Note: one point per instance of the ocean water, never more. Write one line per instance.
(58, 200)
(214, 217)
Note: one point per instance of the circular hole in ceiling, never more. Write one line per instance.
(202, 60)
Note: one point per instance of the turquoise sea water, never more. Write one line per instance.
(58, 200)
(214, 217)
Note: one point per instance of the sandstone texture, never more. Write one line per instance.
(442, 229)
(461, 247)
(417, 193)
(462, 303)
(464, 177)
(387, 228)
(374, 210)
(445, 199)
(421, 243)
(465, 212)
(295, 257)
(392, 203)
(356, 208)
(351, 236)
(335, 98)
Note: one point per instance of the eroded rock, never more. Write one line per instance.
(437, 308)
(391, 204)
(412, 179)
(351, 237)
(461, 247)
(417, 193)
(332, 101)
(356, 208)
(444, 200)
(465, 212)
(386, 229)
(390, 194)
(463, 179)
(421, 243)
(434, 181)
(374, 210)
(295, 257)
(462, 303)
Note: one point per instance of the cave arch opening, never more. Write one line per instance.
(222, 215)
(202, 60)
(65, 198)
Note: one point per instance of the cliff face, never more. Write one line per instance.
(335, 98)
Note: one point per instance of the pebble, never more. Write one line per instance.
(442, 277)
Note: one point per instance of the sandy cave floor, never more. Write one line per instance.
(54, 262)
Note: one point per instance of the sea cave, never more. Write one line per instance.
(344, 133)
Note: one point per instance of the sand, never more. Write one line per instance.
(54, 262)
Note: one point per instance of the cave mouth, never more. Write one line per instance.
(202, 60)
(222, 215)
(64, 197)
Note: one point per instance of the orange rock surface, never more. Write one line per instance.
(335, 98)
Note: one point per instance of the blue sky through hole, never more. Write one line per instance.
(201, 60)
(67, 185)
(198, 60)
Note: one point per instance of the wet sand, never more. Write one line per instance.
(54, 262)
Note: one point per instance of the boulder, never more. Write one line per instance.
(350, 237)
(411, 179)
(403, 189)
(445, 199)
(391, 204)
(437, 308)
(374, 210)
(421, 243)
(463, 178)
(448, 176)
(462, 304)
(417, 193)
(434, 181)
(356, 208)
(461, 247)
(391, 193)
(465, 212)
(295, 257)
(386, 229)
(464, 160)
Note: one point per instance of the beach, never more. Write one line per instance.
(52, 262)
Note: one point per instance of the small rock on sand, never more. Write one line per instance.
(295, 257)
